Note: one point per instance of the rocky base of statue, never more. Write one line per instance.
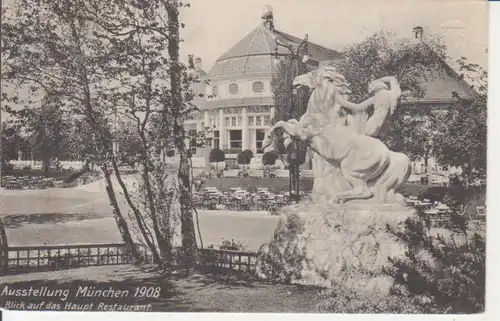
(335, 246)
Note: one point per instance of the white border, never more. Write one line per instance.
(493, 295)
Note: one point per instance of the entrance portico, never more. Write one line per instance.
(237, 128)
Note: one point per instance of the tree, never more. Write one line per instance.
(216, 156)
(12, 142)
(179, 111)
(413, 132)
(100, 59)
(412, 63)
(47, 129)
(288, 103)
(462, 130)
(245, 157)
(269, 158)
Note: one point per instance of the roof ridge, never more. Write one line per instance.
(258, 29)
(265, 38)
(292, 38)
(223, 56)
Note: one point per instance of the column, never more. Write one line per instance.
(253, 134)
(205, 117)
(222, 130)
(198, 126)
(244, 129)
(272, 114)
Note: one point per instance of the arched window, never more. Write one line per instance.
(233, 89)
(215, 90)
(258, 87)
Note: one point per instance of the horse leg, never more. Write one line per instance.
(360, 189)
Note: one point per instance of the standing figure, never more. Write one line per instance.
(384, 104)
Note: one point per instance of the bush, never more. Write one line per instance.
(7, 167)
(269, 158)
(245, 157)
(216, 156)
(446, 273)
(229, 245)
(346, 302)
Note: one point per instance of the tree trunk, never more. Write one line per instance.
(188, 235)
(120, 221)
(426, 162)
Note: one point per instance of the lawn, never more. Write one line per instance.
(194, 293)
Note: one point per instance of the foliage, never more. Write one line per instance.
(412, 63)
(245, 157)
(102, 59)
(347, 302)
(160, 210)
(287, 104)
(229, 245)
(269, 158)
(412, 132)
(462, 130)
(12, 142)
(216, 156)
(446, 273)
(381, 55)
(46, 129)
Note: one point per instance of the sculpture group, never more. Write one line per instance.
(350, 161)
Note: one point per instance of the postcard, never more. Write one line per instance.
(318, 157)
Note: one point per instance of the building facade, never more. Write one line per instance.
(238, 105)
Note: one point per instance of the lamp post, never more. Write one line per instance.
(298, 58)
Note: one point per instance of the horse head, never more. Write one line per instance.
(325, 83)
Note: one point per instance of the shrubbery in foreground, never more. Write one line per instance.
(441, 273)
(445, 272)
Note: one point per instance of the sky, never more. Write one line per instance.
(214, 26)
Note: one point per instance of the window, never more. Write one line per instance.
(192, 141)
(240, 121)
(266, 121)
(233, 88)
(216, 139)
(228, 121)
(258, 120)
(233, 121)
(259, 138)
(215, 91)
(258, 87)
(251, 121)
(235, 139)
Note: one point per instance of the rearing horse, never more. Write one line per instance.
(365, 163)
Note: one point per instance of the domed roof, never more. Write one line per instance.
(254, 54)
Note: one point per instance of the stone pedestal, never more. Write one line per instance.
(335, 246)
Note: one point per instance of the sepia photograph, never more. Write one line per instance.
(244, 156)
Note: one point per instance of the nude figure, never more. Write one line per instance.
(384, 103)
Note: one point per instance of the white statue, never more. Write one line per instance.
(384, 104)
(347, 164)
